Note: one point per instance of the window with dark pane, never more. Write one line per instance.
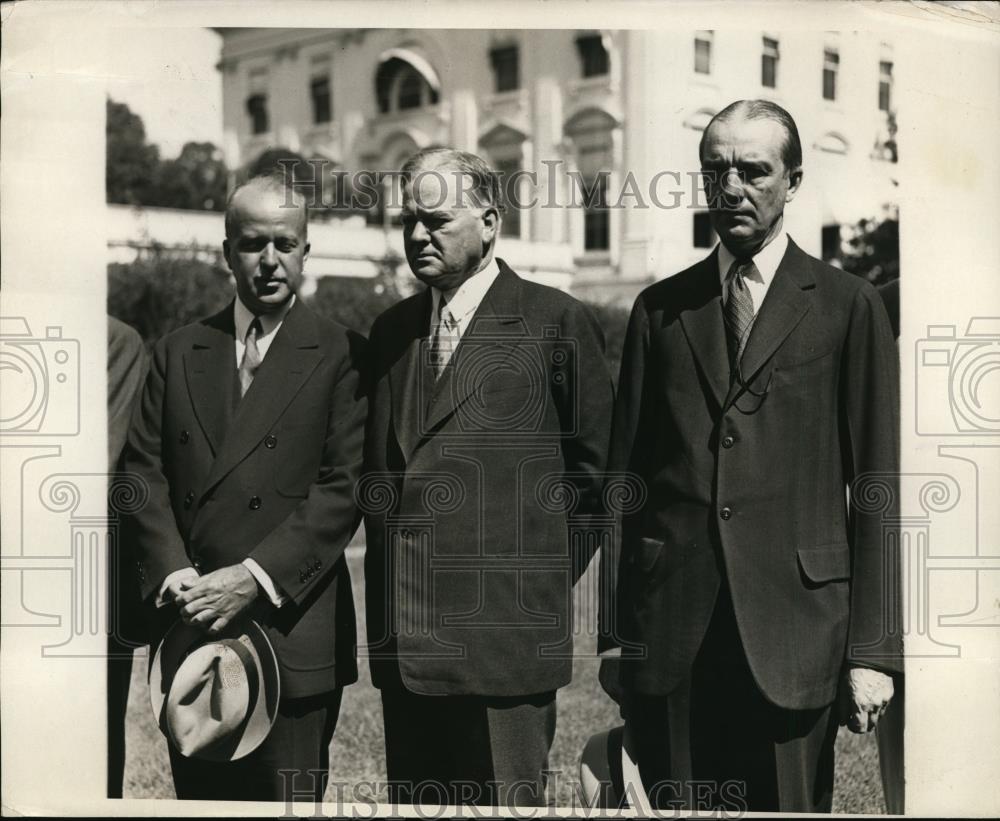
(322, 100)
(593, 55)
(506, 68)
(831, 65)
(257, 110)
(769, 63)
(507, 171)
(410, 87)
(596, 216)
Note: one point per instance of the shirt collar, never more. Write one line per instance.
(766, 260)
(269, 322)
(465, 299)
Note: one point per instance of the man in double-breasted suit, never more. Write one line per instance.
(249, 436)
(490, 406)
(758, 387)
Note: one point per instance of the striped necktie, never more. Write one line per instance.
(445, 338)
(251, 356)
(739, 313)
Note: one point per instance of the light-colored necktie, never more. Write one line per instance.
(445, 338)
(251, 356)
(739, 313)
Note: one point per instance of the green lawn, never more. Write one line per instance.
(357, 753)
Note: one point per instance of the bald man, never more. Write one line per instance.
(249, 435)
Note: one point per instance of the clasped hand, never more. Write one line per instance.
(213, 601)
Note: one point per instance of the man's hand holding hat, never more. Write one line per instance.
(215, 600)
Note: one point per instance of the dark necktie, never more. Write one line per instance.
(739, 311)
(251, 356)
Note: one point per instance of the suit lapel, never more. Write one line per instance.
(786, 303)
(480, 353)
(409, 399)
(209, 367)
(703, 325)
(293, 356)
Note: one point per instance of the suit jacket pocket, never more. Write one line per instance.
(818, 360)
(491, 387)
(826, 564)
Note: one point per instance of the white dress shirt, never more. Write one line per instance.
(766, 260)
(463, 301)
(270, 324)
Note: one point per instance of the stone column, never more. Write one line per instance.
(464, 121)
(649, 120)
(548, 223)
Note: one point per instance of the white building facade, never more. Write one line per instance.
(603, 126)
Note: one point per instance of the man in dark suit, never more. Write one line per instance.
(490, 411)
(249, 436)
(756, 388)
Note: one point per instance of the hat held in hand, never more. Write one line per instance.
(215, 698)
(609, 774)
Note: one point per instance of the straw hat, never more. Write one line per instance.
(215, 698)
(609, 775)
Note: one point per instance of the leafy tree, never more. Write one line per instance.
(135, 174)
(196, 180)
(161, 292)
(312, 177)
(871, 249)
(356, 301)
(275, 160)
(132, 164)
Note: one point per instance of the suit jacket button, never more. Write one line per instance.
(189, 499)
(302, 577)
(196, 564)
(726, 513)
(728, 442)
(255, 502)
(270, 441)
(185, 436)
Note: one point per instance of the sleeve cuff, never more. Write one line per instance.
(270, 588)
(177, 574)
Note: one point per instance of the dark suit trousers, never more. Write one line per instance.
(480, 750)
(716, 742)
(299, 741)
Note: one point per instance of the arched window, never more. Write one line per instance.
(591, 134)
(504, 148)
(405, 81)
